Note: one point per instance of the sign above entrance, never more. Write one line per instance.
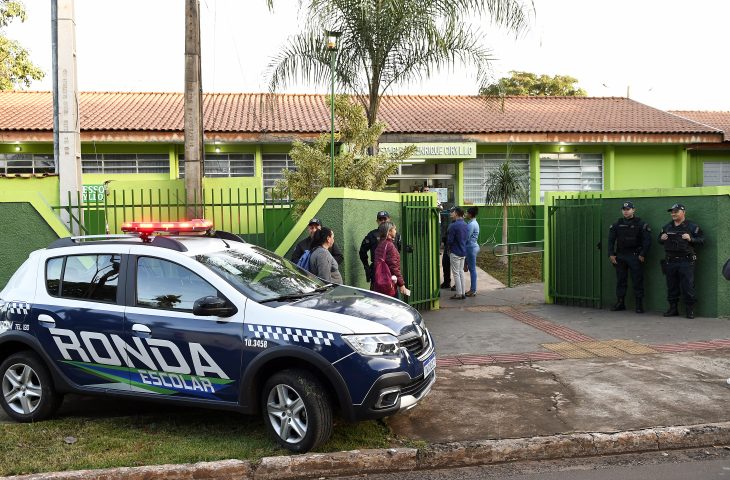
(434, 150)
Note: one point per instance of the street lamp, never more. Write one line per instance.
(332, 37)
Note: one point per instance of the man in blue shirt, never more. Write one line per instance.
(457, 235)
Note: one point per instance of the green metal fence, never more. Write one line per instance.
(575, 232)
(252, 213)
(530, 248)
(420, 252)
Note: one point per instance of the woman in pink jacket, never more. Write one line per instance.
(387, 252)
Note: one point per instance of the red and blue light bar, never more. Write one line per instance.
(147, 228)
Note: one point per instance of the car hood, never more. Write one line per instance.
(346, 302)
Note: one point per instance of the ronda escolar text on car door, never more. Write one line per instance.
(174, 352)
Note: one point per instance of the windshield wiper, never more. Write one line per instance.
(297, 296)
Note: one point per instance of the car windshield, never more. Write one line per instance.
(260, 274)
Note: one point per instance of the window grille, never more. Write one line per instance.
(476, 172)
(570, 172)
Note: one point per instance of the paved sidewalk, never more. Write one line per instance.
(520, 367)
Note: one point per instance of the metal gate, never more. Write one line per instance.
(420, 252)
(575, 230)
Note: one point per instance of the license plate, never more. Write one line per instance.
(429, 365)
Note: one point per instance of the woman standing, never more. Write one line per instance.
(321, 261)
(472, 248)
(387, 252)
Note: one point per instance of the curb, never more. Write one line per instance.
(435, 456)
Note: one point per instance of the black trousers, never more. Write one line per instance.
(681, 278)
(626, 262)
(446, 265)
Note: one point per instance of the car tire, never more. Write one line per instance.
(297, 410)
(26, 388)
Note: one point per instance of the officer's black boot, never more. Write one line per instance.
(639, 305)
(672, 312)
(619, 305)
(690, 311)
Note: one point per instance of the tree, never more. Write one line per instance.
(389, 42)
(16, 69)
(506, 186)
(532, 85)
(354, 168)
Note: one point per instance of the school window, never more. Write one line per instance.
(224, 165)
(274, 164)
(570, 172)
(716, 173)
(477, 171)
(116, 163)
(29, 163)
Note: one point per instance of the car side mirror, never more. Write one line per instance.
(213, 306)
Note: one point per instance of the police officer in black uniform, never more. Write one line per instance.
(370, 243)
(629, 241)
(680, 237)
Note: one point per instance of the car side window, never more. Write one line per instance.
(88, 277)
(167, 285)
(54, 268)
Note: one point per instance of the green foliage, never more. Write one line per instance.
(506, 186)
(355, 167)
(532, 85)
(387, 42)
(16, 69)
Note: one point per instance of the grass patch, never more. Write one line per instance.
(185, 437)
(525, 268)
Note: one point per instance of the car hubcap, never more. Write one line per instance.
(21, 389)
(287, 413)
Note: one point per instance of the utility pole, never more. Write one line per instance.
(66, 128)
(194, 152)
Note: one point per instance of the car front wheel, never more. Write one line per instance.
(297, 410)
(27, 390)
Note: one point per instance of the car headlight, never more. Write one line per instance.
(381, 344)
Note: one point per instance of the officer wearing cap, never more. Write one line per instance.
(680, 237)
(370, 243)
(629, 241)
(314, 225)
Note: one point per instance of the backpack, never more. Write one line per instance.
(382, 278)
(303, 261)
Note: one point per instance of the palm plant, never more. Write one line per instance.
(506, 186)
(389, 42)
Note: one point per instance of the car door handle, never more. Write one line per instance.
(46, 320)
(141, 330)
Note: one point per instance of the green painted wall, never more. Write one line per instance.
(646, 167)
(23, 230)
(47, 187)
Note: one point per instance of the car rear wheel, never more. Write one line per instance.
(297, 410)
(27, 390)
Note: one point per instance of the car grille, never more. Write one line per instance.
(417, 386)
(415, 345)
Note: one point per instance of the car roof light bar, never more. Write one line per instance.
(145, 229)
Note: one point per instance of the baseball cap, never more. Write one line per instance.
(383, 214)
(315, 221)
(676, 206)
(627, 205)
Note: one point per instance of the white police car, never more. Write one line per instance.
(209, 321)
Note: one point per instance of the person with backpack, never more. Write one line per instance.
(386, 263)
(314, 225)
(321, 261)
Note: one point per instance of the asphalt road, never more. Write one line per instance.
(699, 464)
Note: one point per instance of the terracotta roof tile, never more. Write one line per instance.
(719, 120)
(256, 113)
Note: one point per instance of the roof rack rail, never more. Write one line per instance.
(164, 241)
(226, 236)
(81, 239)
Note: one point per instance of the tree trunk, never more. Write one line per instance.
(505, 229)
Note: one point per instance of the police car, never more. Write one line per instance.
(198, 317)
